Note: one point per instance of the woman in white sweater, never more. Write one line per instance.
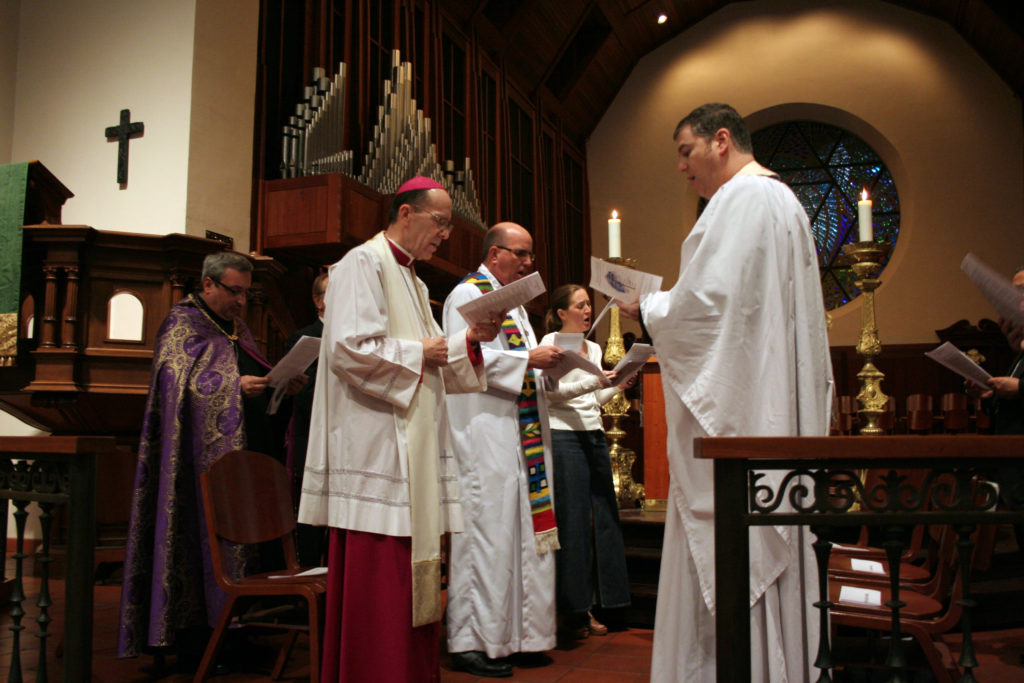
(591, 565)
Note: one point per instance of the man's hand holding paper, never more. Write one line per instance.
(508, 297)
(623, 286)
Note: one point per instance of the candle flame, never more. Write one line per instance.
(615, 214)
(864, 194)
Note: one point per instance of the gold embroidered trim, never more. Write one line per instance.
(8, 338)
(426, 592)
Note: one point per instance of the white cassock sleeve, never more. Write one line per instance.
(358, 349)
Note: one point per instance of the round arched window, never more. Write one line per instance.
(828, 167)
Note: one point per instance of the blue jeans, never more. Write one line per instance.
(587, 514)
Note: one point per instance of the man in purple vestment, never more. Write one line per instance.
(207, 379)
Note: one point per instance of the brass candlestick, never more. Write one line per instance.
(865, 259)
(629, 493)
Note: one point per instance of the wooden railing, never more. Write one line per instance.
(953, 491)
(52, 471)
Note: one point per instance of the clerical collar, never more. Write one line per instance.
(228, 326)
(403, 257)
(754, 168)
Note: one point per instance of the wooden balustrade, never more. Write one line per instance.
(53, 471)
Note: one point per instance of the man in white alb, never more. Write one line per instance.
(743, 352)
(501, 589)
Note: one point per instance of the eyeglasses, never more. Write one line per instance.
(442, 222)
(521, 254)
(235, 291)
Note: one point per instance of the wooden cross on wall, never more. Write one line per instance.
(122, 133)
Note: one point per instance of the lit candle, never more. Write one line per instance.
(614, 236)
(864, 215)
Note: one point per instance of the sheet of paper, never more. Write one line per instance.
(569, 341)
(295, 361)
(960, 363)
(504, 299)
(869, 566)
(611, 302)
(315, 571)
(633, 361)
(860, 596)
(999, 291)
(622, 283)
(572, 360)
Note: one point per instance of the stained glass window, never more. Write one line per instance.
(827, 167)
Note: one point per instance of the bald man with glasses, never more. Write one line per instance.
(501, 588)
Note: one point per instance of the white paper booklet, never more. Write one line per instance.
(506, 298)
(315, 571)
(999, 291)
(619, 283)
(571, 343)
(860, 596)
(294, 363)
(960, 363)
(634, 360)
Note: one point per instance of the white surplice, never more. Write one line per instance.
(743, 351)
(501, 591)
(357, 462)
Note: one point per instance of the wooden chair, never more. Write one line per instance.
(929, 612)
(862, 548)
(920, 417)
(247, 496)
(846, 415)
(887, 420)
(981, 419)
(955, 418)
(843, 566)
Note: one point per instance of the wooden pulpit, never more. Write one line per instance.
(91, 303)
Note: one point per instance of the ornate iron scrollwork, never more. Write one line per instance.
(842, 490)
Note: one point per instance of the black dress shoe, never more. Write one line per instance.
(530, 660)
(479, 664)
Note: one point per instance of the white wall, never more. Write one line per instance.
(11, 426)
(185, 68)
(9, 11)
(80, 62)
(946, 125)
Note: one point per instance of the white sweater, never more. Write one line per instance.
(575, 403)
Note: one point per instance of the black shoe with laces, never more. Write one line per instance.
(479, 664)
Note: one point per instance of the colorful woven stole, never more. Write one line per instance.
(543, 512)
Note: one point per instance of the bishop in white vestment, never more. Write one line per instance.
(743, 351)
(379, 468)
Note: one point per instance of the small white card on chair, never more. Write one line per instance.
(860, 596)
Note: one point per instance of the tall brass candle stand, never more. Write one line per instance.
(629, 493)
(865, 259)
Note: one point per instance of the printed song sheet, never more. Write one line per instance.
(619, 283)
(633, 361)
(1000, 292)
(506, 298)
(960, 363)
(294, 363)
(571, 343)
